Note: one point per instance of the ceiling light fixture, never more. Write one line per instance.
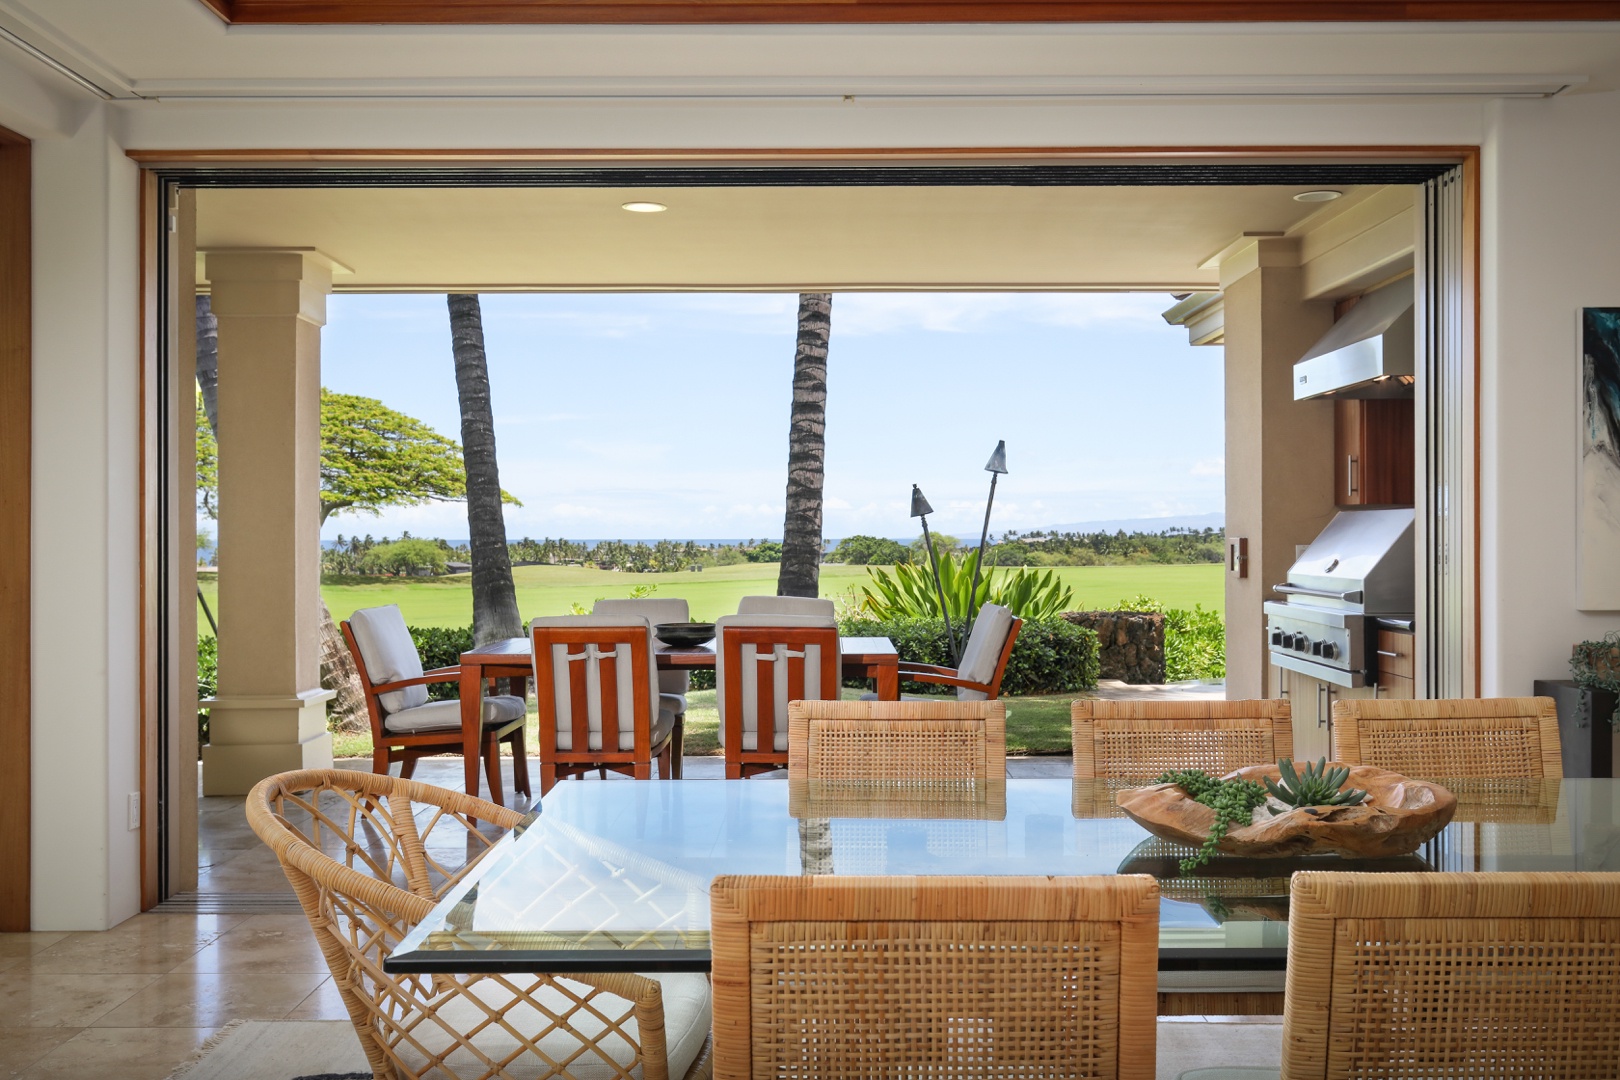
(645, 207)
(1325, 195)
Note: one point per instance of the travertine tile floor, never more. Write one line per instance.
(134, 1002)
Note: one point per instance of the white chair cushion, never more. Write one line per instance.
(688, 1016)
(446, 715)
(668, 609)
(390, 655)
(983, 650)
(805, 606)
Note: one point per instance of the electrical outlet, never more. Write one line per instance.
(134, 810)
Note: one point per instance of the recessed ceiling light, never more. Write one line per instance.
(1325, 195)
(645, 207)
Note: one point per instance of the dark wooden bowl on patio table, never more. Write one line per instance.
(684, 635)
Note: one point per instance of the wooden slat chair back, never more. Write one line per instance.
(923, 744)
(984, 658)
(503, 720)
(368, 857)
(596, 682)
(1453, 975)
(763, 663)
(1451, 739)
(921, 977)
(1137, 740)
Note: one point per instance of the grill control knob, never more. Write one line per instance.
(1329, 650)
(1316, 647)
(1302, 643)
(1277, 637)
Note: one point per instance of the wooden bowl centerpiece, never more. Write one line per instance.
(1397, 816)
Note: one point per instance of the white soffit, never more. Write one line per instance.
(777, 238)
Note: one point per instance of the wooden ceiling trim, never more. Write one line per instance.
(710, 12)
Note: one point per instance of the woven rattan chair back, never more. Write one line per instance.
(897, 743)
(368, 856)
(1453, 975)
(1451, 739)
(914, 977)
(1135, 741)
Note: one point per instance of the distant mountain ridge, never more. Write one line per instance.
(1145, 525)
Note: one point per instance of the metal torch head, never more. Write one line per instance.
(919, 504)
(998, 460)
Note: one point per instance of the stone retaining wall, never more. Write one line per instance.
(1131, 643)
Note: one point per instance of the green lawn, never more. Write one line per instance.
(549, 590)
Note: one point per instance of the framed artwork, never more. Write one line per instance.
(1597, 527)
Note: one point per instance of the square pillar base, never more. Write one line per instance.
(252, 738)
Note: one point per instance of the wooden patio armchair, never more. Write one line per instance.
(984, 659)
(763, 662)
(1138, 740)
(405, 725)
(368, 857)
(1453, 974)
(934, 976)
(590, 718)
(1451, 739)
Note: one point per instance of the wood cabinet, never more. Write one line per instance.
(1374, 462)
(1395, 664)
(1310, 703)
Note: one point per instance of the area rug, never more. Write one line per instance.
(328, 1050)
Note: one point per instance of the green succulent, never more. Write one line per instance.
(1318, 785)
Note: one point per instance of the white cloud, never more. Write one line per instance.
(1209, 467)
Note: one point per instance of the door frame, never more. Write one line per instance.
(162, 722)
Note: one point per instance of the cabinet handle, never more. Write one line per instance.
(1386, 652)
(1350, 473)
(1321, 709)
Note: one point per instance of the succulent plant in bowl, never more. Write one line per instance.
(1318, 785)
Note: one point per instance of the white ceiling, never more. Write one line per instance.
(842, 238)
(177, 48)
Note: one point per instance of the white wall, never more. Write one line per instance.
(86, 453)
(1551, 246)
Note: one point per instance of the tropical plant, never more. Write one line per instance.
(495, 609)
(1234, 802)
(800, 574)
(908, 590)
(1318, 785)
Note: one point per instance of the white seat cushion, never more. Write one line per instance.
(446, 715)
(983, 650)
(390, 655)
(688, 1015)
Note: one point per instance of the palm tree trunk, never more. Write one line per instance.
(495, 610)
(807, 442)
(338, 671)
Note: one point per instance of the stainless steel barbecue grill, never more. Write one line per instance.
(1358, 570)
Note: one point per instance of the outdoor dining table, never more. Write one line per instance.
(609, 876)
(512, 659)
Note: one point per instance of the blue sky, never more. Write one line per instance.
(645, 416)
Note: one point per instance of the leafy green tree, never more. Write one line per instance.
(869, 551)
(405, 557)
(944, 544)
(765, 551)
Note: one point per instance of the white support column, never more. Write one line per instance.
(1279, 452)
(270, 714)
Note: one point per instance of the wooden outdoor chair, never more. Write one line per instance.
(897, 743)
(1451, 739)
(368, 857)
(1138, 740)
(762, 662)
(405, 725)
(596, 680)
(984, 659)
(672, 684)
(1452, 975)
(809, 607)
(922, 977)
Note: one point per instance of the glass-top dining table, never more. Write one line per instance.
(614, 876)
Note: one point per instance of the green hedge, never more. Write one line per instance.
(442, 646)
(1051, 656)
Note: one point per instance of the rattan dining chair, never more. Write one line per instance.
(1451, 739)
(890, 743)
(1452, 975)
(923, 977)
(1138, 740)
(368, 857)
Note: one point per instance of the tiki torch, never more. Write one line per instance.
(996, 466)
(921, 509)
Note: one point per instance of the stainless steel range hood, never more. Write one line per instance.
(1367, 354)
